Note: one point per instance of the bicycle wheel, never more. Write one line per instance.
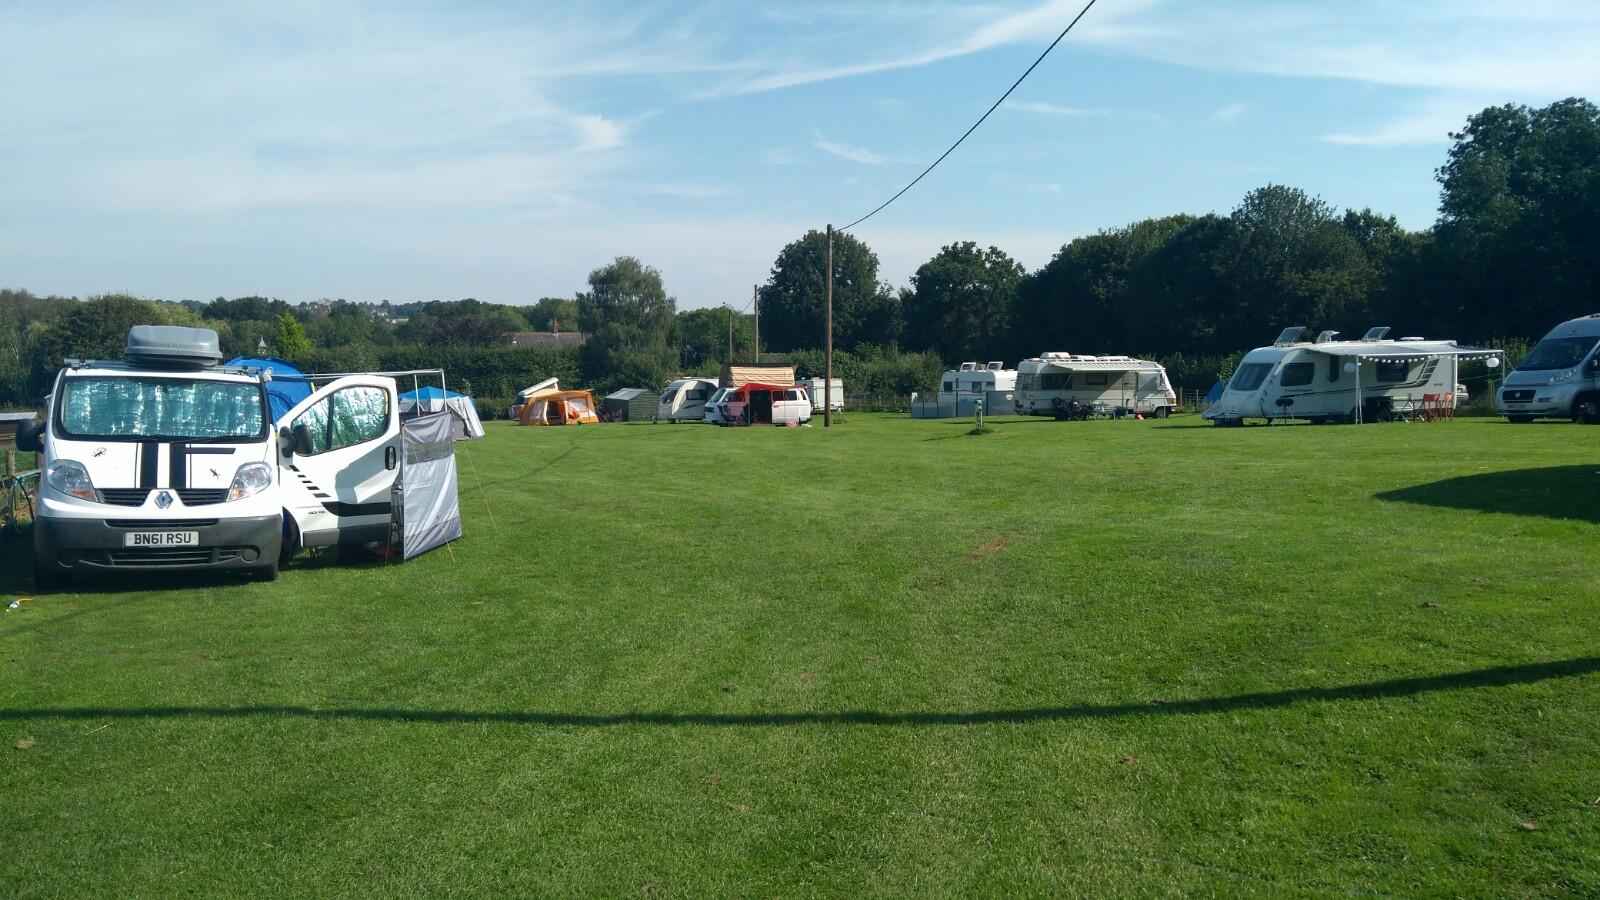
(19, 507)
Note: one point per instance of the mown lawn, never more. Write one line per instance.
(1109, 658)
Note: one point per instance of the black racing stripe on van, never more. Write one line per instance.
(178, 464)
(148, 454)
(359, 509)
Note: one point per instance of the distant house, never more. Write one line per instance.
(551, 339)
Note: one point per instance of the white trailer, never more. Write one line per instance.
(684, 400)
(1328, 380)
(961, 389)
(1067, 385)
(816, 387)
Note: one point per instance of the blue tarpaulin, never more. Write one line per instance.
(1215, 393)
(288, 386)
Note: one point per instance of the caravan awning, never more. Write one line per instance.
(1402, 353)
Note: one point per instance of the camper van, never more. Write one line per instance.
(1067, 385)
(684, 400)
(169, 460)
(764, 404)
(1558, 379)
(1328, 380)
(993, 383)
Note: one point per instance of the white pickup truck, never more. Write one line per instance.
(171, 461)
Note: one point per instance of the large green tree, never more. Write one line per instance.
(628, 316)
(793, 301)
(959, 306)
(1520, 218)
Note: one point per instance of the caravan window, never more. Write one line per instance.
(1096, 378)
(1056, 381)
(1249, 376)
(1298, 374)
(695, 396)
(666, 396)
(1335, 366)
(949, 387)
(1392, 372)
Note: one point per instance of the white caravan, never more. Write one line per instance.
(993, 383)
(1558, 379)
(684, 400)
(817, 389)
(170, 461)
(1067, 385)
(1326, 380)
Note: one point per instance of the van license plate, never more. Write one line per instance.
(161, 539)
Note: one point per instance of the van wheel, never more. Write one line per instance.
(1586, 411)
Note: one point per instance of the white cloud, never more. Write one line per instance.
(1052, 109)
(846, 151)
(1228, 115)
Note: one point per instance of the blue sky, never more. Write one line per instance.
(413, 150)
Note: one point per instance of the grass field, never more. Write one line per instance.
(1109, 658)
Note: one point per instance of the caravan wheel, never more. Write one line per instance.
(1162, 412)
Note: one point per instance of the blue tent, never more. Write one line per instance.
(288, 387)
(429, 395)
(1214, 394)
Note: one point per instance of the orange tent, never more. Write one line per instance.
(558, 408)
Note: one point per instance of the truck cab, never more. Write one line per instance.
(171, 461)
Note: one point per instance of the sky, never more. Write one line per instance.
(432, 151)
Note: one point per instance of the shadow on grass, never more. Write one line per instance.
(1498, 676)
(1557, 492)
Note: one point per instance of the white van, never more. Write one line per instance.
(684, 400)
(764, 404)
(1558, 379)
(713, 413)
(170, 461)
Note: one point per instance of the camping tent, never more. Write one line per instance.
(431, 400)
(631, 405)
(559, 408)
(288, 386)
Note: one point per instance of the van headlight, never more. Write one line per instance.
(251, 479)
(71, 478)
(1564, 376)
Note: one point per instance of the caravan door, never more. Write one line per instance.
(1149, 392)
(339, 455)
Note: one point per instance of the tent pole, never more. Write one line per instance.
(1358, 390)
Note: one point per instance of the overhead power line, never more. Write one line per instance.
(969, 131)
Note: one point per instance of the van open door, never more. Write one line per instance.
(338, 456)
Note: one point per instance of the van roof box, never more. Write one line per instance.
(172, 346)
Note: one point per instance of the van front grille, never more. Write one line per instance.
(202, 496)
(124, 496)
(156, 557)
(1516, 396)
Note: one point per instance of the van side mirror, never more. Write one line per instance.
(303, 442)
(30, 437)
(286, 440)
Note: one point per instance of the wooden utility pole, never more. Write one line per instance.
(755, 299)
(730, 334)
(827, 353)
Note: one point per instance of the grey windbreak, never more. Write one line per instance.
(161, 408)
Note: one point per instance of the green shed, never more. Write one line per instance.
(631, 405)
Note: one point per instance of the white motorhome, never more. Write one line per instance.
(1067, 385)
(993, 383)
(1558, 379)
(171, 461)
(684, 400)
(1327, 380)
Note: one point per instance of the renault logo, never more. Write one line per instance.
(163, 500)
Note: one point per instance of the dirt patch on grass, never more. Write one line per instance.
(990, 548)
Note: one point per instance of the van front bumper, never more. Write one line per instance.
(99, 544)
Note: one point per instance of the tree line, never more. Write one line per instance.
(1512, 253)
